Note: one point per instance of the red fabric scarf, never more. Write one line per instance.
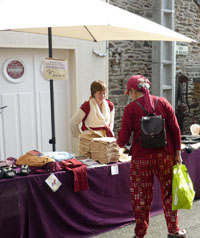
(80, 173)
(140, 83)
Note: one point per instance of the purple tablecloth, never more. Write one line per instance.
(192, 162)
(29, 209)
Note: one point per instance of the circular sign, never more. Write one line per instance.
(15, 69)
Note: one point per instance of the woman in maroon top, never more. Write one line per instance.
(147, 162)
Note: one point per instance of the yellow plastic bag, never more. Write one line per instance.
(182, 188)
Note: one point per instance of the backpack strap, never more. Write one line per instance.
(155, 104)
(141, 107)
(144, 109)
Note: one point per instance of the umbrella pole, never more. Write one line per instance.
(53, 139)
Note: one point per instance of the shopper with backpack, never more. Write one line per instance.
(146, 162)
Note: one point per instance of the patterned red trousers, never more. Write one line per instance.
(142, 172)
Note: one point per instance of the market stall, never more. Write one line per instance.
(29, 208)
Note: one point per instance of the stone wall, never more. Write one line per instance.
(127, 58)
(134, 57)
(187, 22)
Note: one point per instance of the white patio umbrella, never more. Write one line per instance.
(91, 20)
(82, 19)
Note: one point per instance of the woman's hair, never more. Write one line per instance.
(96, 86)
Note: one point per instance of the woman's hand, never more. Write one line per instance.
(178, 158)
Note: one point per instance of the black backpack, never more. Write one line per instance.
(153, 134)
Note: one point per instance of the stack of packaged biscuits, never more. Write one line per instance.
(84, 148)
(104, 150)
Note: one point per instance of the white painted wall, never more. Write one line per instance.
(84, 65)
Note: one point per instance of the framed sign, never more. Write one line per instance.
(55, 69)
(14, 70)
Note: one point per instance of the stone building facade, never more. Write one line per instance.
(187, 22)
(135, 57)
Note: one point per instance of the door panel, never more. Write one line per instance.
(45, 120)
(10, 128)
(26, 123)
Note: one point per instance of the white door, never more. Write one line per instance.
(25, 123)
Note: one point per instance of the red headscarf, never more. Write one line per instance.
(142, 84)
